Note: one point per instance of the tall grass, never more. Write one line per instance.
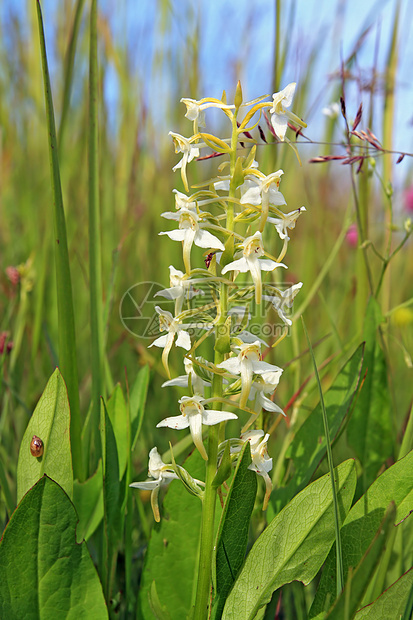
(113, 224)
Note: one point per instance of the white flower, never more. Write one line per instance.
(173, 328)
(332, 110)
(266, 384)
(258, 189)
(189, 152)
(261, 461)
(197, 383)
(283, 300)
(263, 190)
(286, 221)
(190, 231)
(160, 474)
(181, 288)
(195, 109)
(247, 363)
(194, 415)
(279, 115)
(183, 201)
(252, 251)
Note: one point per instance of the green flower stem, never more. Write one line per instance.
(203, 593)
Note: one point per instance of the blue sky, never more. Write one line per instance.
(236, 40)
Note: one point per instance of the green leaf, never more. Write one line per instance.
(362, 522)
(67, 336)
(233, 528)
(51, 423)
(43, 572)
(369, 431)
(309, 444)
(294, 545)
(351, 597)
(88, 500)
(391, 603)
(116, 408)
(137, 401)
(171, 559)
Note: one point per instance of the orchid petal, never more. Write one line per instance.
(213, 416)
(237, 265)
(178, 422)
(183, 340)
(195, 424)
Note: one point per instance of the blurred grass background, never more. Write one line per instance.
(150, 57)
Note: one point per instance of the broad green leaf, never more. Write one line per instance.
(88, 501)
(44, 573)
(116, 408)
(309, 445)
(369, 431)
(294, 545)
(233, 529)
(351, 597)
(137, 401)
(171, 559)
(362, 522)
(51, 423)
(391, 603)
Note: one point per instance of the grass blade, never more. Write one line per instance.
(95, 260)
(340, 572)
(67, 338)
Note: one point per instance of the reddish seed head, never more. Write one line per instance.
(13, 275)
(3, 338)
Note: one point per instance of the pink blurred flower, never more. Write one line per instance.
(352, 236)
(408, 199)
